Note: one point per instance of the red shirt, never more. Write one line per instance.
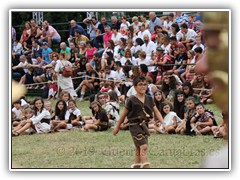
(90, 52)
(106, 38)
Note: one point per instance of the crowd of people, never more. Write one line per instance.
(105, 60)
(149, 65)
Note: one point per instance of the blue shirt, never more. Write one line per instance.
(178, 19)
(72, 30)
(45, 54)
(153, 23)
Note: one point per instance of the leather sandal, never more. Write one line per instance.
(145, 165)
(136, 166)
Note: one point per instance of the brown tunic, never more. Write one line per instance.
(136, 115)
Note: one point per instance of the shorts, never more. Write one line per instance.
(139, 136)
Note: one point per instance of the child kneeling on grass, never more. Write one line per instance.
(139, 110)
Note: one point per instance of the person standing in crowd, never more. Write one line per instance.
(139, 110)
(64, 83)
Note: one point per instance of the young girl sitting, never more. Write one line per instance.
(179, 103)
(158, 100)
(202, 121)
(112, 108)
(101, 118)
(65, 96)
(61, 116)
(48, 107)
(40, 120)
(170, 119)
(75, 114)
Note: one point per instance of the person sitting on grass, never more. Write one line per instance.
(75, 114)
(184, 127)
(100, 116)
(220, 131)
(112, 108)
(40, 120)
(202, 121)
(61, 116)
(65, 96)
(27, 114)
(170, 119)
(138, 110)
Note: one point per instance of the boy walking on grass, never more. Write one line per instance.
(139, 110)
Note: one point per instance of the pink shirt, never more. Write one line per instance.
(90, 52)
(106, 38)
(54, 31)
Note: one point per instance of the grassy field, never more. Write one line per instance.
(77, 149)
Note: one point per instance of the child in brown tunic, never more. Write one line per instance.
(139, 110)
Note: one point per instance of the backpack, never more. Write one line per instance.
(67, 71)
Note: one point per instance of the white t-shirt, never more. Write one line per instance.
(141, 34)
(145, 61)
(191, 34)
(166, 48)
(17, 112)
(124, 26)
(201, 45)
(23, 64)
(111, 75)
(76, 112)
(131, 91)
(43, 115)
(151, 47)
(168, 119)
(119, 74)
(116, 38)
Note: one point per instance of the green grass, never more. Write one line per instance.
(77, 149)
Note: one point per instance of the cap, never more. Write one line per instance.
(45, 43)
(159, 48)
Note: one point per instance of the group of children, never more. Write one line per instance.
(39, 117)
(183, 116)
